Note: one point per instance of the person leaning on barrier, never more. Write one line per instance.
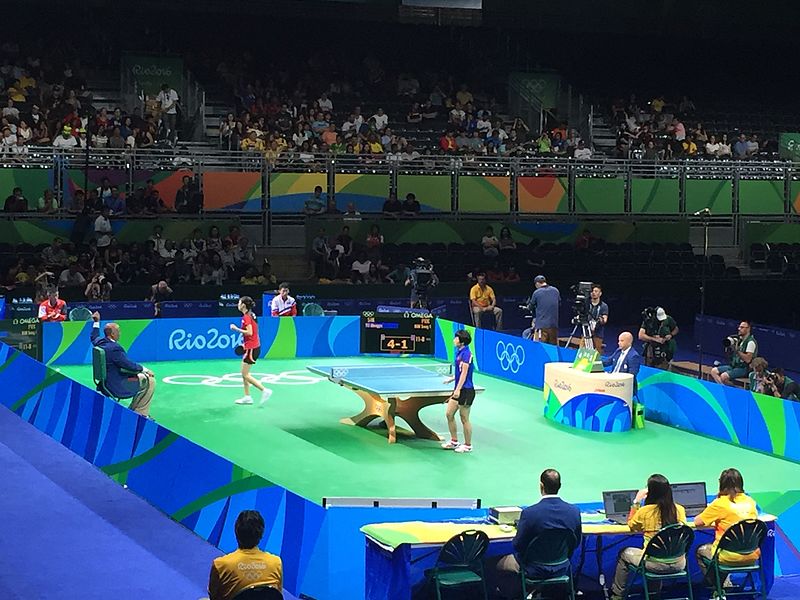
(124, 378)
(742, 353)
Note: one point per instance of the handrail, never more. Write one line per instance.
(43, 156)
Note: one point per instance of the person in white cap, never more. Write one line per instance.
(659, 339)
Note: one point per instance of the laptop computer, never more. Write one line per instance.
(617, 505)
(692, 496)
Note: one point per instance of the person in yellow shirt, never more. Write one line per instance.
(252, 143)
(689, 147)
(653, 508)
(482, 299)
(731, 506)
(246, 566)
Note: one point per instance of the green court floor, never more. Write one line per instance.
(296, 440)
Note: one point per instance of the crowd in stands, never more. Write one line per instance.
(146, 200)
(94, 262)
(46, 102)
(664, 130)
(296, 120)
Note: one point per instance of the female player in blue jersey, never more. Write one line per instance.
(463, 394)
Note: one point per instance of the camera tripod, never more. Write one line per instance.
(586, 335)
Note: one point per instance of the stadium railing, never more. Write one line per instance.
(247, 182)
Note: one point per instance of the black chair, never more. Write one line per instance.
(551, 548)
(744, 537)
(668, 545)
(259, 591)
(460, 562)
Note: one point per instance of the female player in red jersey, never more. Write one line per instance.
(251, 347)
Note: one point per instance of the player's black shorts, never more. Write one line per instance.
(251, 355)
(466, 397)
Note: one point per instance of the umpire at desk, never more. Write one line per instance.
(124, 378)
(625, 358)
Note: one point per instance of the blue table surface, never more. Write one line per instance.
(389, 379)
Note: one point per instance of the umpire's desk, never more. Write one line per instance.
(592, 401)
(397, 554)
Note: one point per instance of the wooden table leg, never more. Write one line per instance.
(408, 410)
(390, 410)
(376, 407)
(373, 409)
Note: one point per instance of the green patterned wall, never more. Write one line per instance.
(596, 195)
(655, 196)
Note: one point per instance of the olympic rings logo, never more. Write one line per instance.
(511, 356)
(234, 380)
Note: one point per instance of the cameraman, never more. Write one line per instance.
(658, 331)
(598, 316)
(544, 304)
(781, 386)
(741, 356)
(421, 279)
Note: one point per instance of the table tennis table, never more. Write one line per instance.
(390, 391)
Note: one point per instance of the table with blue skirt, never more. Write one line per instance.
(398, 554)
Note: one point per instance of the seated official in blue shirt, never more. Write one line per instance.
(124, 378)
(544, 304)
(551, 512)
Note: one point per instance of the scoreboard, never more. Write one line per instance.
(22, 333)
(408, 332)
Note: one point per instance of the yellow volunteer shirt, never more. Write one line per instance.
(647, 519)
(481, 297)
(237, 570)
(722, 513)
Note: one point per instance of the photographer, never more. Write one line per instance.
(779, 385)
(598, 316)
(658, 331)
(742, 348)
(421, 279)
(99, 288)
(759, 375)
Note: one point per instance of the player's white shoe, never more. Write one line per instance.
(450, 445)
(245, 400)
(462, 448)
(265, 395)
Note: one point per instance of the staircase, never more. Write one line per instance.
(603, 135)
(218, 104)
(105, 88)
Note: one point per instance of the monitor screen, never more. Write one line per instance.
(689, 494)
(618, 503)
